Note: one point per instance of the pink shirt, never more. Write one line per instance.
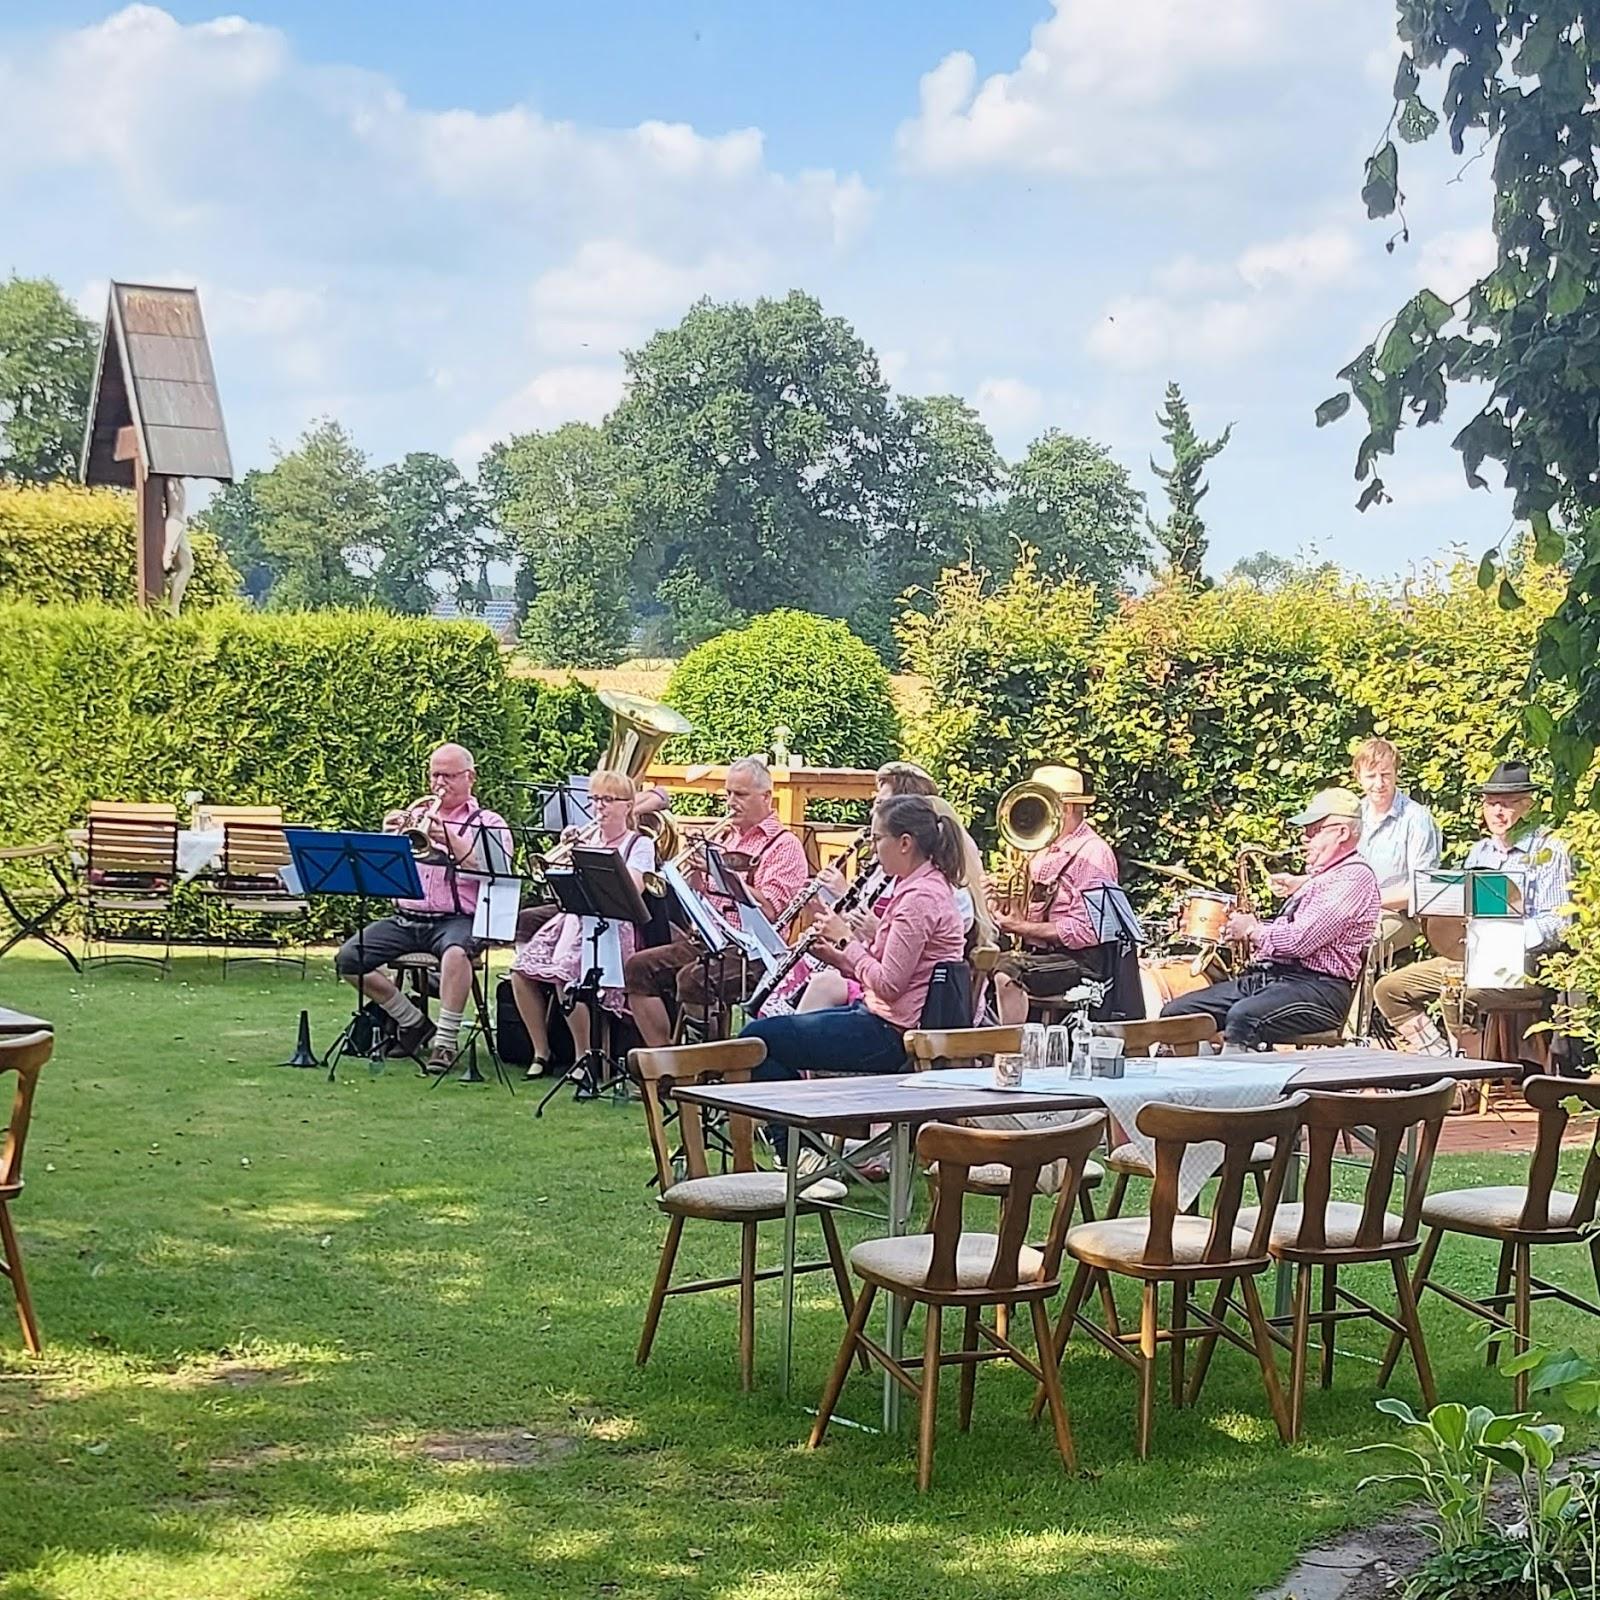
(1327, 924)
(443, 888)
(781, 865)
(918, 927)
(1082, 860)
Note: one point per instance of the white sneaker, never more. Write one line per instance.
(810, 1162)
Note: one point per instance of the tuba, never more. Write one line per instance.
(639, 728)
(1030, 817)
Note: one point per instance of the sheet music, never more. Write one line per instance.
(579, 807)
(1112, 915)
(1438, 894)
(1497, 954)
(495, 915)
(754, 919)
(709, 928)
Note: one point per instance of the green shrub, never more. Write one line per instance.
(564, 728)
(60, 543)
(791, 669)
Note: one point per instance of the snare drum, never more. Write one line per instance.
(1202, 915)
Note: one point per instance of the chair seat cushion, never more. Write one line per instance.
(727, 1195)
(907, 1260)
(994, 1176)
(1343, 1219)
(1490, 1210)
(1126, 1158)
(1120, 1241)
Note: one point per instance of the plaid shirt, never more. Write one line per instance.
(1082, 860)
(778, 873)
(1548, 864)
(1327, 924)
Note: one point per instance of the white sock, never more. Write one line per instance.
(401, 1008)
(447, 1029)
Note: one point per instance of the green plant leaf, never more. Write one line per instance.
(1507, 598)
(1488, 567)
(1333, 408)
(1382, 188)
(1449, 1421)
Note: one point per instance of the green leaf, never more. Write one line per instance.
(1540, 725)
(1568, 288)
(1450, 1423)
(1373, 494)
(1417, 121)
(1381, 191)
(1433, 309)
(1488, 567)
(1549, 546)
(1506, 1456)
(1392, 1407)
(1405, 78)
(1507, 598)
(1333, 408)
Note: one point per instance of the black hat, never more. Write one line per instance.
(1510, 777)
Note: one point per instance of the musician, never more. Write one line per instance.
(1399, 839)
(438, 924)
(1305, 961)
(891, 952)
(554, 961)
(776, 871)
(1511, 843)
(1055, 933)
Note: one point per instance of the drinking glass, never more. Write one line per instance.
(1033, 1043)
(1058, 1050)
(1007, 1071)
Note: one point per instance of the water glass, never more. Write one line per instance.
(1058, 1050)
(1007, 1072)
(1033, 1046)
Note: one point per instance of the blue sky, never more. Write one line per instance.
(441, 224)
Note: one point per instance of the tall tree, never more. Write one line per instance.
(319, 509)
(1182, 535)
(1526, 336)
(1078, 509)
(755, 437)
(235, 518)
(433, 522)
(47, 353)
(562, 500)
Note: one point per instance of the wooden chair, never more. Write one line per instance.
(936, 1049)
(25, 1055)
(1174, 1247)
(1357, 1025)
(129, 873)
(1179, 1036)
(970, 1271)
(1519, 1218)
(1327, 1234)
(254, 849)
(744, 1196)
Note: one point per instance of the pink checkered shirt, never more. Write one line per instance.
(780, 868)
(1328, 922)
(918, 927)
(1082, 860)
(443, 889)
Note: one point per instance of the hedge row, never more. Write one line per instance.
(61, 544)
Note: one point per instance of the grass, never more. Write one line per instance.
(282, 1317)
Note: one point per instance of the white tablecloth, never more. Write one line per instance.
(1217, 1083)
(198, 851)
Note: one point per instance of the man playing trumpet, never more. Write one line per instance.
(440, 923)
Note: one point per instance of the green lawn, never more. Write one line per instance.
(274, 1309)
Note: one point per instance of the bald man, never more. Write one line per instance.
(438, 924)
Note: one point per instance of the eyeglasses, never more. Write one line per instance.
(436, 774)
(611, 800)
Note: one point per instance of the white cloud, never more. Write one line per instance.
(1007, 404)
(1450, 263)
(575, 393)
(1323, 258)
(1100, 89)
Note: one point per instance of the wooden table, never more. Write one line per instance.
(845, 1105)
(17, 1022)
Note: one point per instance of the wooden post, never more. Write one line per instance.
(149, 522)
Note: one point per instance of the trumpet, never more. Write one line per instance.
(413, 823)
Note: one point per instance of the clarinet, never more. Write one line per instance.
(809, 890)
(865, 891)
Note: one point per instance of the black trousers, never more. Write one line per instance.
(1269, 1005)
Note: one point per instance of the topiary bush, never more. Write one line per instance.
(60, 543)
(565, 729)
(807, 673)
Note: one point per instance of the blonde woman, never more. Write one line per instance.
(553, 962)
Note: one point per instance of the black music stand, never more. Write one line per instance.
(598, 886)
(710, 933)
(368, 866)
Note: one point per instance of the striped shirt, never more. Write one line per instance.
(443, 887)
(1401, 843)
(1548, 865)
(1327, 924)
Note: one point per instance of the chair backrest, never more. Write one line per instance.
(25, 1055)
(1385, 1119)
(958, 1149)
(661, 1071)
(132, 846)
(1238, 1131)
(933, 1049)
(1547, 1097)
(134, 810)
(254, 848)
(1183, 1036)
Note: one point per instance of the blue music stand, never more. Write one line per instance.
(368, 866)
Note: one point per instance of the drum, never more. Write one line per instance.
(1164, 978)
(1202, 915)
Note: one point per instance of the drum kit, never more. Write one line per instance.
(1198, 920)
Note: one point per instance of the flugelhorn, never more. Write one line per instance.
(412, 822)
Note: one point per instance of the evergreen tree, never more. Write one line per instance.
(1183, 535)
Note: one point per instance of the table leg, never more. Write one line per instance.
(899, 1211)
(791, 1168)
(1283, 1282)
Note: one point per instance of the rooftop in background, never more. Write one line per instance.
(154, 374)
(499, 616)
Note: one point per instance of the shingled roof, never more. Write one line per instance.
(155, 375)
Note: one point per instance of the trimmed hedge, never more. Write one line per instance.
(60, 544)
(809, 674)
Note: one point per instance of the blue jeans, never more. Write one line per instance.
(837, 1039)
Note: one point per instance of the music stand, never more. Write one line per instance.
(367, 866)
(600, 887)
(754, 938)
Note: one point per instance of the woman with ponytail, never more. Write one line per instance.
(891, 953)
